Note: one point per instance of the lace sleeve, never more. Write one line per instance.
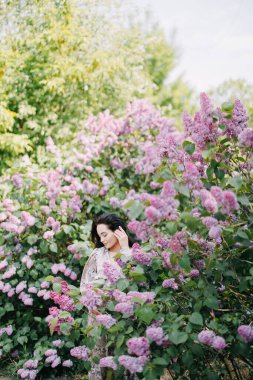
(89, 271)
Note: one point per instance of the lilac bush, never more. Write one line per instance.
(184, 297)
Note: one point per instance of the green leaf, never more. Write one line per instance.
(53, 247)
(44, 246)
(211, 302)
(67, 229)
(22, 339)
(53, 323)
(196, 319)
(236, 182)
(120, 340)
(136, 209)
(64, 314)
(189, 147)
(145, 313)
(243, 200)
(183, 190)
(65, 328)
(227, 107)
(178, 337)
(57, 287)
(160, 361)
(185, 263)
(122, 284)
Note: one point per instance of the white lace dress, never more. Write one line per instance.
(93, 271)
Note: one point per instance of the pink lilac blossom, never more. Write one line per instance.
(194, 273)
(133, 364)
(31, 364)
(191, 176)
(238, 122)
(215, 233)
(125, 308)
(9, 273)
(229, 202)
(156, 334)
(79, 352)
(246, 333)
(17, 180)
(3, 264)
(27, 261)
(65, 302)
(139, 256)
(119, 296)
(56, 362)
(67, 363)
(170, 283)
(21, 286)
(92, 299)
(8, 330)
(106, 320)
(209, 221)
(108, 362)
(219, 343)
(27, 219)
(217, 193)
(57, 343)
(32, 289)
(178, 242)
(112, 273)
(138, 346)
(246, 138)
(206, 337)
(48, 235)
(146, 296)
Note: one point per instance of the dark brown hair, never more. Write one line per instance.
(113, 222)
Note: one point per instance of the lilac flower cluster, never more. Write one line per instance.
(91, 298)
(61, 267)
(209, 338)
(133, 364)
(64, 301)
(79, 352)
(108, 362)
(111, 272)
(106, 320)
(157, 335)
(52, 358)
(138, 346)
(141, 257)
(8, 330)
(29, 370)
(170, 283)
(54, 313)
(246, 333)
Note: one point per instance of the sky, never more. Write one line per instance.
(214, 38)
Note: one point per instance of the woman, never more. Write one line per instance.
(109, 236)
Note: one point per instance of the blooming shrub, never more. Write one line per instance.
(184, 303)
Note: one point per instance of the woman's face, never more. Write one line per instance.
(106, 236)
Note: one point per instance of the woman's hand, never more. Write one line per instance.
(122, 238)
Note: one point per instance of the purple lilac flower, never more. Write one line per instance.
(138, 346)
(219, 343)
(246, 332)
(108, 362)
(106, 320)
(206, 337)
(133, 364)
(156, 334)
(79, 352)
(170, 283)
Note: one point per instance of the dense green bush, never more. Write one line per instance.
(188, 198)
